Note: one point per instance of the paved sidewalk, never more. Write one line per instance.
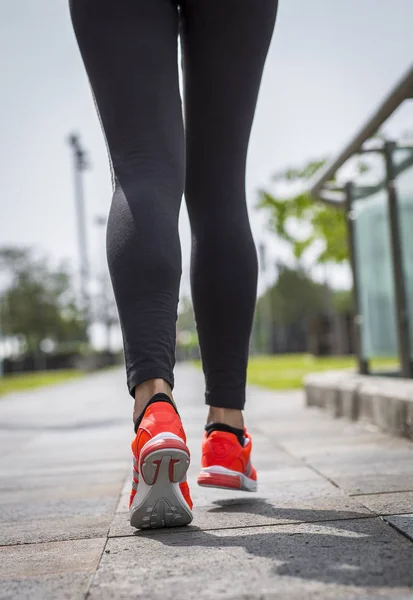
(333, 517)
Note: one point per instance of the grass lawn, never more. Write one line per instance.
(285, 372)
(29, 381)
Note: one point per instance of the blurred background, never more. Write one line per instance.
(329, 68)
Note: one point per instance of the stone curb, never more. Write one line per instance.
(386, 402)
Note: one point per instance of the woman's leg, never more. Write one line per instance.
(225, 43)
(129, 48)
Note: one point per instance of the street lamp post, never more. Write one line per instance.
(1, 339)
(80, 165)
(107, 313)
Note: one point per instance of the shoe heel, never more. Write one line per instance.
(165, 459)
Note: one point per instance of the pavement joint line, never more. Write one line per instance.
(40, 543)
(93, 575)
(397, 529)
(274, 443)
(382, 516)
(314, 469)
(380, 493)
(53, 541)
(403, 514)
(322, 475)
(299, 459)
(181, 530)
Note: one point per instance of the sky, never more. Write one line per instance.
(329, 65)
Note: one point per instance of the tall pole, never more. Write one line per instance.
(80, 165)
(106, 299)
(363, 364)
(1, 338)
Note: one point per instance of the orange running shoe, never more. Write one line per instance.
(225, 462)
(160, 494)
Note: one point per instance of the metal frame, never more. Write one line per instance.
(362, 362)
(323, 189)
(402, 91)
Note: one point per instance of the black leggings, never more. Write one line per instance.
(129, 48)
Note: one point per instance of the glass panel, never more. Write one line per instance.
(404, 183)
(375, 276)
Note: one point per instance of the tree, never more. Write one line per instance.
(187, 336)
(106, 311)
(294, 297)
(291, 303)
(186, 317)
(304, 223)
(343, 302)
(38, 302)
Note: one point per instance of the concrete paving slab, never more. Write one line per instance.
(342, 558)
(54, 484)
(306, 435)
(365, 472)
(375, 451)
(69, 517)
(64, 480)
(363, 455)
(41, 476)
(403, 523)
(368, 477)
(55, 529)
(49, 571)
(287, 507)
(304, 447)
(388, 504)
(84, 449)
(50, 587)
(92, 485)
(302, 431)
(374, 482)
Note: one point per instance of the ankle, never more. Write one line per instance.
(145, 391)
(228, 416)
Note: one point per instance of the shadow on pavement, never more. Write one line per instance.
(342, 550)
(261, 507)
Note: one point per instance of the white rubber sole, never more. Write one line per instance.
(159, 501)
(226, 479)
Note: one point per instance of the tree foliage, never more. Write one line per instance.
(343, 302)
(186, 317)
(303, 223)
(294, 297)
(38, 302)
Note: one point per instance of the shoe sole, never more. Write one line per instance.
(159, 502)
(226, 479)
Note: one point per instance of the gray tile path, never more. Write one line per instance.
(333, 517)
